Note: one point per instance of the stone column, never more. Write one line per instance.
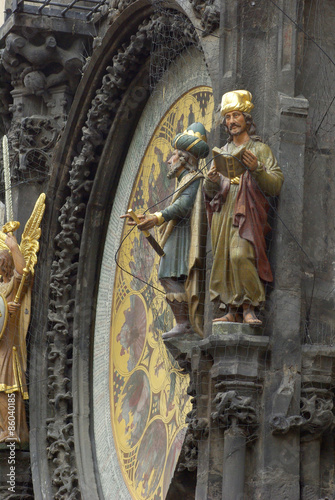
(233, 476)
(310, 468)
(235, 377)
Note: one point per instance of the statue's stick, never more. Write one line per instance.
(23, 279)
(8, 187)
(148, 236)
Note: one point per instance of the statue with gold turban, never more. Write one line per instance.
(237, 212)
(183, 231)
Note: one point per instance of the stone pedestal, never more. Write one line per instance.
(227, 371)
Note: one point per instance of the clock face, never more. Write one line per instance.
(148, 391)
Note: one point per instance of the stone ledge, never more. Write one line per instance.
(181, 348)
(224, 327)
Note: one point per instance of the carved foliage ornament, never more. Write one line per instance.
(232, 409)
(124, 67)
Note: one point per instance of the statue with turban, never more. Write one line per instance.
(237, 212)
(183, 231)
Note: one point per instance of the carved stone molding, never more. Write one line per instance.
(316, 417)
(117, 7)
(123, 68)
(209, 13)
(235, 410)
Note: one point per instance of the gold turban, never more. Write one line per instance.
(237, 100)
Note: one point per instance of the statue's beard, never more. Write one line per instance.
(172, 173)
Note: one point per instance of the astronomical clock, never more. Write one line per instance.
(140, 436)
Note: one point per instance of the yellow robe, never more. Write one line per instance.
(234, 277)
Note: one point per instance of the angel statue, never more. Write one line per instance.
(16, 277)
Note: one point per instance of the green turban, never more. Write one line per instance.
(193, 140)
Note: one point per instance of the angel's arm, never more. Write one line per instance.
(18, 258)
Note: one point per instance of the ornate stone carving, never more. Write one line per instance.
(31, 142)
(209, 13)
(281, 424)
(316, 417)
(317, 413)
(39, 67)
(232, 409)
(116, 7)
(124, 66)
(198, 429)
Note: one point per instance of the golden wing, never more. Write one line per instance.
(29, 242)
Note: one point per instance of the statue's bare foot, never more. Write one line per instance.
(230, 317)
(5, 437)
(249, 316)
(179, 329)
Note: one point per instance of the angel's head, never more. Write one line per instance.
(6, 265)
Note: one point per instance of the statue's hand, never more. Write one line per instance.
(149, 221)
(13, 307)
(250, 160)
(130, 221)
(213, 174)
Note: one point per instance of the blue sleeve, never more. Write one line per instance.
(183, 205)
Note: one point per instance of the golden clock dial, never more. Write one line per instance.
(149, 402)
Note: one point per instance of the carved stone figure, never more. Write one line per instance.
(209, 13)
(16, 267)
(180, 236)
(35, 64)
(237, 211)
